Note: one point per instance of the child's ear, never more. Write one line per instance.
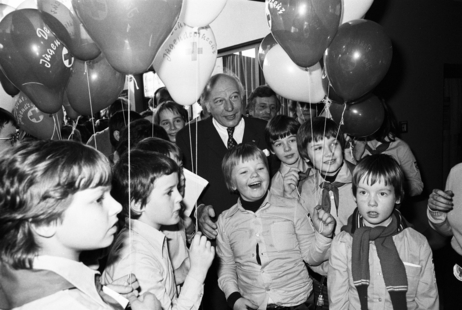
(45, 230)
(137, 207)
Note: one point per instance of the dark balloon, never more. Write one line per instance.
(304, 28)
(358, 58)
(105, 85)
(266, 44)
(67, 27)
(41, 125)
(8, 87)
(33, 59)
(129, 33)
(360, 119)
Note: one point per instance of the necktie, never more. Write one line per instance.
(231, 142)
(326, 188)
(379, 150)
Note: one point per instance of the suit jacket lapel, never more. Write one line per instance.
(250, 133)
(212, 138)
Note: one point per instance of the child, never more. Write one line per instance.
(321, 143)
(329, 185)
(281, 137)
(378, 261)
(264, 239)
(177, 235)
(385, 141)
(147, 187)
(55, 202)
(172, 117)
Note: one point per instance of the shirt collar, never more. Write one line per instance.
(238, 206)
(223, 131)
(82, 277)
(301, 165)
(152, 235)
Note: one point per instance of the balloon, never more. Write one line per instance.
(105, 85)
(360, 119)
(185, 62)
(36, 123)
(60, 16)
(70, 112)
(5, 10)
(304, 28)
(28, 4)
(355, 9)
(200, 13)
(129, 33)
(9, 88)
(289, 80)
(358, 58)
(33, 59)
(265, 45)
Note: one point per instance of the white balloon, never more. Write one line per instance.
(200, 13)
(185, 62)
(28, 4)
(291, 81)
(355, 9)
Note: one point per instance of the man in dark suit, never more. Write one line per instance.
(226, 128)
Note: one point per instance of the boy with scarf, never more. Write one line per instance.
(378, 261)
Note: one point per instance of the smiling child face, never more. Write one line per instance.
(251, 179)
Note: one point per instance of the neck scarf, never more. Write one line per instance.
(21, 286)
(393, 270)
(378, 150)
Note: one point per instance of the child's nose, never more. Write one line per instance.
(287, 147)
(372, 201)
(114, 206)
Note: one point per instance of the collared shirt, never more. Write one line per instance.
(285, 239)
(450, 223)
(416, 254)
(145, 254)
(402, 153)
(178, 251)
(311, 196)
(85, 295)
(238, 133)
(277, 182)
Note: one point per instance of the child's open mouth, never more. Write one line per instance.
(255, 185)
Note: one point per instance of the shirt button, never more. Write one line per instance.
(258, 235)
(380, 299)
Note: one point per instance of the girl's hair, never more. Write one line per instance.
(241, 153)
(144, 168)
(36, 180)
(316, 130)
(279, 127)
(380, 168)
(173, 107)
(389, 129)
(160, 146)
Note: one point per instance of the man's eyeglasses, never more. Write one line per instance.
(13, 138)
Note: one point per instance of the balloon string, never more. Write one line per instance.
(130, 233)
(197, 94)
(91, 105)
(74, 127)
(55, 127)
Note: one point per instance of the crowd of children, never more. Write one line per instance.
(322, 233)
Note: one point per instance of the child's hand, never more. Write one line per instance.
(244, 304)
(125, 285)
(290, 181)
(323, 222)
(201, 255)
(146, 302)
